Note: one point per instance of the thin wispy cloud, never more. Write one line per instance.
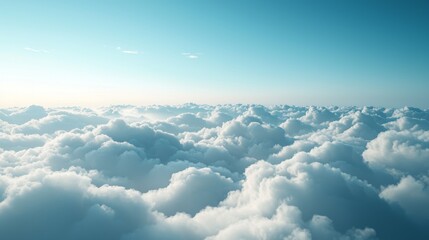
(191, 55)
(127, 51)
(130, 52)
(36, 50)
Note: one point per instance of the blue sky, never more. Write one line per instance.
(169, 52)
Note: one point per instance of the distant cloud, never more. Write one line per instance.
(36, 50)
(126, 51)
(130, 52)
(191, 55)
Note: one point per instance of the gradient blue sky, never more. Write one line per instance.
(93, 53)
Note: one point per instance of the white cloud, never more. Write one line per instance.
(208, 187)
(250, 171)
(20, 116)
(191, 55)
(128, 51)
(131, 52)
(402, 152)
(412, 195)
(34, 50)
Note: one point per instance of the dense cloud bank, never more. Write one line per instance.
(214, 172)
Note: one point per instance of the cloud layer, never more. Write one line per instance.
(214, 172)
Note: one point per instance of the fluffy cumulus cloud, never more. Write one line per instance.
(214, 172)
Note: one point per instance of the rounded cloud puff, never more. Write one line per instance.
(403, 152)
(190, 191)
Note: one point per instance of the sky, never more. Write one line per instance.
(97, 53)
